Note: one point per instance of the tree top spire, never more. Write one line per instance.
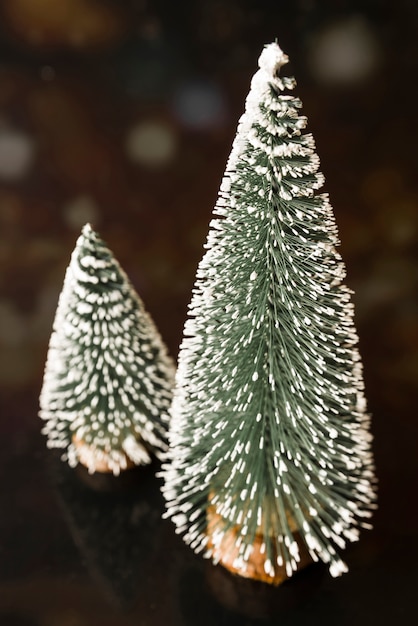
(272, 58)
(87, 229)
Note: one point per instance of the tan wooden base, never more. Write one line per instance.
(227, 552)
(102, 464)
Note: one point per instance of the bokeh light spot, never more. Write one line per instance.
(344, 52)
(151, 143)
(200, 105)
(16, 154)
(81, 210)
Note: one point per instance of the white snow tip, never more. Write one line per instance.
(272, 58)
(87, 229)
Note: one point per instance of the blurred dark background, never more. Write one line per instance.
(123, 114)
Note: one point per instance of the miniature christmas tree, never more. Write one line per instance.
(108, 379)
(270, 463)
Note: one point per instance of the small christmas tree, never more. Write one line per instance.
(270, 463)
(108, 379)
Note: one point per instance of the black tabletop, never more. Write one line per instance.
(94, 549)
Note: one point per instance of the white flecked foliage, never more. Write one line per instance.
(108, 378)
(269, 419)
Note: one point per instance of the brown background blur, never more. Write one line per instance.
(123, 114)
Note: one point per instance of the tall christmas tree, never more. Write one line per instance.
(270, 463)
(108, 378)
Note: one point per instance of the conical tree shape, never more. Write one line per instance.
(270, 455)
(108, 378)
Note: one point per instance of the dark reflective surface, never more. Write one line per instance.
(81, 549)
(123, 114)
